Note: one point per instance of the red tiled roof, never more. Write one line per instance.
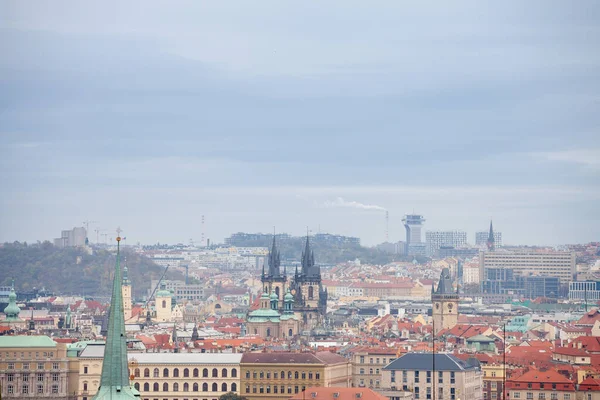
(338, 393)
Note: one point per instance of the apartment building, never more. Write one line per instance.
(34, 367)
(437, 239)
(368, 363)
(540, 384)
(493, 381)
(448, 377)
(282, 375)
(558, 264)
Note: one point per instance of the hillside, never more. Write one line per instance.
(327, 252)
(72, 270)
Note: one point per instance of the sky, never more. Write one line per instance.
(149, 115)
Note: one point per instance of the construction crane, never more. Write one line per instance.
(148, 318)
(98, 231)
(87, 226)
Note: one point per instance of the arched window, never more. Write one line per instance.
(296, 375)
(224, 373)
(166, 373)
(164, 304)
(85, 386)
(255, 331)
(224, 387)
(247, 374)
(137, 386)
(268, 332)
(205, 373)
(205, 387)
(195, 387)
(186, 373)
(215, 373)
(155, 372)
(289, 374)
(234, 387)
(165, 387)
(176, 373)
(146, 387)
(195, 372)
(277, 291)
(290, 332)
(176, 387)
(186, 387)
(282, 374)
(136, 372)
(146, 373)
(310, 292)
(215, 387)
(234, 373)
(155, 387)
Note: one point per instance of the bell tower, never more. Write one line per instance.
(444, 303)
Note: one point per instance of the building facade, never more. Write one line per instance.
(584, 291)
(72, 238)
(540, 385)
(414, 225)
(282, 375)
(437, 239)
(558, 264)
(33, 367)
(368, 364)
(448, 377)
(166, 375)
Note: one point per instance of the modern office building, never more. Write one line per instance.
(584, 291)
(414, 225)
(437, 239)
(559, 264)
(450, 251)
(499, 281)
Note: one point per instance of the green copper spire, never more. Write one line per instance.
(12, 310)
(114, 382)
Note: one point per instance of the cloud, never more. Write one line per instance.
(587, 157)
(341, 203)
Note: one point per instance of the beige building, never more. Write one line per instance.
(559, 264)
(172, 376)
(34, 367)
(451, 379)
(540, 385)
(368, 363)
(282, 375)
(493, 381)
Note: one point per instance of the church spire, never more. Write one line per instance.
(274, 260)
(114, 381)
(491, 242)
(308, 258)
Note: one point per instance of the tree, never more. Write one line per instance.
(231, 396)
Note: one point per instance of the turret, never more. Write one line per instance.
(12, 310)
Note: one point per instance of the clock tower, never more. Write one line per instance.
(444, 303)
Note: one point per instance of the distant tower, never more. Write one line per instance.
(12, 310)
(491, 241)
(126, 288)
(414, 224)
(444, 303)
(273, 280)
(163, 304)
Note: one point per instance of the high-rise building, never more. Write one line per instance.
(414, 225)
(437, 239)
(560, 264)
(72, 238)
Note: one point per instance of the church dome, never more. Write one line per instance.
(274, 296)
(289, 296)
(12, 310)
(265, 296)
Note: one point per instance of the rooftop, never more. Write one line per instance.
(26, 341)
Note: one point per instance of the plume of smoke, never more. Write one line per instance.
(341, 203)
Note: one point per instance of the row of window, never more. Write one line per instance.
(371, 359)
(541, 396)
(282, 374)
(276, 389)
(186, 373)
(362, 371)
(26, 389)
(25, 377)
(11, 365)
(29, 354)
(417, 377)
(186, 387)
(440, 394)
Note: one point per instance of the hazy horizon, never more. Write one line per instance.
(149, 115)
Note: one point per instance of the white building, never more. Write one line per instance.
(437, 239)
(71, 238)
(482, 237)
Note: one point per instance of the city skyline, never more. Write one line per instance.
(461, 112)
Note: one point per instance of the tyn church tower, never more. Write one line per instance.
(310, 297)
(273, 280)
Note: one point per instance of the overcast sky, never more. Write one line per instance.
(149, 114)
